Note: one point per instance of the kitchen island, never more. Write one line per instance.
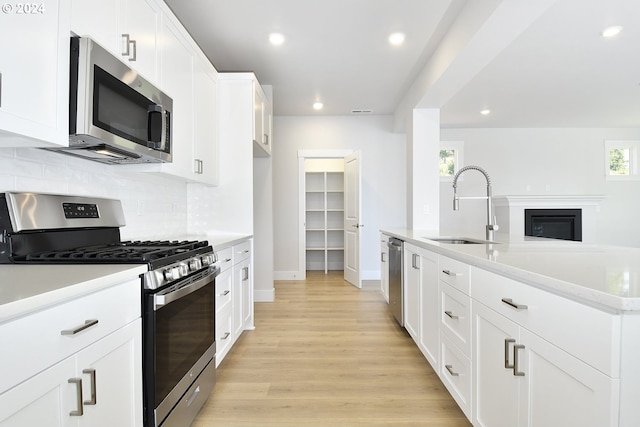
(534, 332)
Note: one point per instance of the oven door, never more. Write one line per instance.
(179, 334)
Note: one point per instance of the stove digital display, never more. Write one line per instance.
(80, 210)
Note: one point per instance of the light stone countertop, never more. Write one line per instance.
(605, 277)
(28, 288)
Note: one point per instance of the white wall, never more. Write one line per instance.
(383, 180)
(155, 207)
(542, 162)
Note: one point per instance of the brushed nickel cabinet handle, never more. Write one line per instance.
(79, 411)
(134, 57)
(226, 335)
(450, 273)
(516, 361)
(414, 261)
(127, 41)
(507, 342)
(225, 293)
(510, 303)
(94, 398)
(451, 372)
(451, 315)
(87, 324)
(245, 273)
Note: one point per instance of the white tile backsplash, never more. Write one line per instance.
(155, 206)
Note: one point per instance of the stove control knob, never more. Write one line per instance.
(183, 269)
(195, 264)
(208, 259)
(167, 273)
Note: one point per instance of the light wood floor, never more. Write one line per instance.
(327, 354)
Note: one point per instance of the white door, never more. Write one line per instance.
(352, 223)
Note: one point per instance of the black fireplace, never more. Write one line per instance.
(564, 224)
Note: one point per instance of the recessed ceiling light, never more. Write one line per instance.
(611, 32)
(485, 112)
(276, 39)
(318, 105)
(396, 39)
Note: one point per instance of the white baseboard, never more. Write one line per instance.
(297, 275)
(260, 295)
(288, 275)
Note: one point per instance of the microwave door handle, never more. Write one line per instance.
(151, 141)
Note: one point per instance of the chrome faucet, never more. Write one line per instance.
(491, 221)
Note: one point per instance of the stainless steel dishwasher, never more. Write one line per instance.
(396, 247)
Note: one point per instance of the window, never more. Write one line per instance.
(450, 159)
(621, 160)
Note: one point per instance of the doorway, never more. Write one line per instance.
(327, 200)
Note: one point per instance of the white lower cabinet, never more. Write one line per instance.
(234, 296)
(101, 385)
(523, 380)
(421, 314)
(384, 266)
(456, 374)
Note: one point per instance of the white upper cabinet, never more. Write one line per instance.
(34, 74)
(127, 28)
(205, 101)
(262, 121)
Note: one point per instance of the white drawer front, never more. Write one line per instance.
(225, 258)
(241, 251)
(224, 282)
(589, 334)
(455, 273)
(455, 318)
(35, 342)
(224, 333)
(455, 373)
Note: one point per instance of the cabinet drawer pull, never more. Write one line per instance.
(415, 261)
(134, 57)
(245, 273)
(226, 335)
(451, 315)
(87, 324)
(227, 260)
(450, 273)
(510, 303)
(266, 139)
(79, 411)
(127, 40)
(225, 293)
(450, 369)
(507, 342)
(382, 257)
(516, 361)
(94, 397)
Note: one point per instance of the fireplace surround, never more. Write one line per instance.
(510, 213)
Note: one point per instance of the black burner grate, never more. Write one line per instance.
(129, 251)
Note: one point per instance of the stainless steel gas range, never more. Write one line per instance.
(178, 312)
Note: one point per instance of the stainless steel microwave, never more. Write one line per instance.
(115, 115)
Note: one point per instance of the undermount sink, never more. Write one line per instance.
(458, 240)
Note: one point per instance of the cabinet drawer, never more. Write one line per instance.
(455, 317)
(455, 373)
(455, 273)
(224, 333)
(224, 258)
(37, 340)
(241, 251)
(224, 283)
(589, 334)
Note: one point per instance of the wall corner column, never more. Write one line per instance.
(423, 178)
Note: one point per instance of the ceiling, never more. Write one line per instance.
(554, 70)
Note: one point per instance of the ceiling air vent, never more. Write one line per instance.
(361, 111)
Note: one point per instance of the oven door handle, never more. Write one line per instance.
(160, 300)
